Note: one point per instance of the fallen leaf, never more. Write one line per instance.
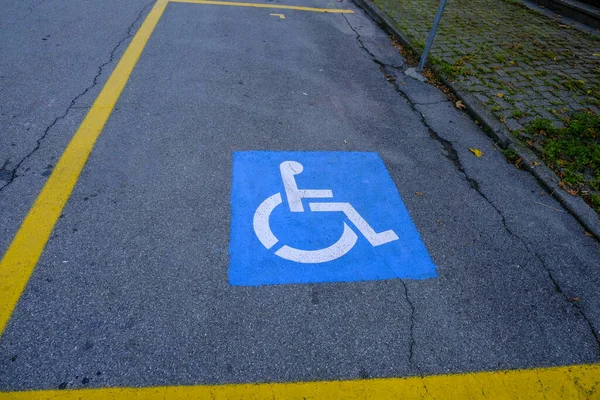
(419, 194)
(459, 104)
(501, 95)
(518, 162)
(567, 189)
(534, 163)
(477, 152)
(574, 299)
(404, 83)
(588, 234)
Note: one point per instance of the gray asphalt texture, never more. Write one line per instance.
(132, 287)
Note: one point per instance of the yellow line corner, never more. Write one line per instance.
(22, 255)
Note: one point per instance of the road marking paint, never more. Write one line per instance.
(22, 256)
(573, 382)
(347, 193)
(278, 15)
(262, 5)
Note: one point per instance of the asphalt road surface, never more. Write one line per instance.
(133, 287)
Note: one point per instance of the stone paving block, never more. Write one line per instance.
(535, 63)
(513, 125)
(521, 106)
(482, 98)
(522, 84)
(545, 114)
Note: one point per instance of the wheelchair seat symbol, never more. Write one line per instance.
(294, 196)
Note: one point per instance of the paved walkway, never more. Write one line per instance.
(521, 65)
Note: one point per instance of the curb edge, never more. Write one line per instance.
(499, 133)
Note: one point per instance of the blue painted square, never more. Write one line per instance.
(279, 236)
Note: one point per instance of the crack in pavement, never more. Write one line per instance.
(366, 50)
(412, 342)
(12, 173)
(412, 325)
(452, 155)
(531, 251)
(31, 8)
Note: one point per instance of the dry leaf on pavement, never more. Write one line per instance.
(567, 189)
(478, 153)
(459, 104)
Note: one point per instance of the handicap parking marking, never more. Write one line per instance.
(308, 217)
(367, 229)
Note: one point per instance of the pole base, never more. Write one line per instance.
(412, 72)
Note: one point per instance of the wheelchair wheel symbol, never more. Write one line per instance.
(294, 195)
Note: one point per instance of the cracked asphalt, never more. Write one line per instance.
(132, 289)
(10, 168)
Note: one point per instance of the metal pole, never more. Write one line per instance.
(436, 22)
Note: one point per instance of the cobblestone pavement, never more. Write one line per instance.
(519, 64)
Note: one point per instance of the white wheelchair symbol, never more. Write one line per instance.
(294, 195)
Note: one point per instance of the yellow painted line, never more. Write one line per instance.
(574, 382)
(281, 16)
(262, 5)
(27, 246)
(20, 259)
